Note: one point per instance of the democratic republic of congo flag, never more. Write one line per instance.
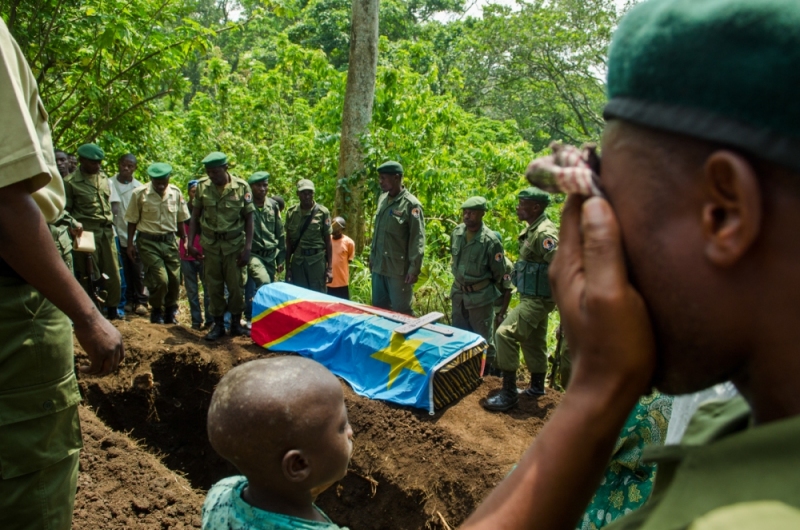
(362, 348)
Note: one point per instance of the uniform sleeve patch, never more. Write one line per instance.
(549, 243)
(415, 212)
(506, 277)
(498, 256)
(248, 197)
(328, 221)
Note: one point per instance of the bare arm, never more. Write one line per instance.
(27, 246)
(131, 246)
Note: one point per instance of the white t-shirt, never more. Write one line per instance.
(121, 193)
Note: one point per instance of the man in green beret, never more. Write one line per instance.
(223, 207)
(526, 326)
(89, 203)
(478, 267)
(682, 276)
(398, 242)
(308, 241)
(155, 214)
(65, 228)
(269, 240)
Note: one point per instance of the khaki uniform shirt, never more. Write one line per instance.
(318, 231)
(398, 240)
(224, 213)
(480, 260)
(154, 214)
(89, 199)
(269, 241)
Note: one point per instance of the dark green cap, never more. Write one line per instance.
(91, 152)
(258, 176)
(391, 168)
(475, 203)
(534, 194)
(305, 184)
(159, 170)
(215, 159)
(724, 71)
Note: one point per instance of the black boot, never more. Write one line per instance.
(236, 326)
(537, 386)
(112, 313)
(217, 329)
(507, 397)
(169, 315)
(156, 316)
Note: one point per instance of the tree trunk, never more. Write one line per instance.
(357, 113)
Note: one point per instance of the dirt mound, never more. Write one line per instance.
(410, 470)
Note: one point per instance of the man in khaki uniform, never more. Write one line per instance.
(526, 325)
(269, 240)
(39, 427)
(155, 213)
(398, 242)
(65, 227)
(223, 207)
(89, 202)
(478, 267)
(308, 241)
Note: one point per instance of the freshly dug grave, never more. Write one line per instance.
(409, 470)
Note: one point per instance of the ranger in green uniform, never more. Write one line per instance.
(64, 228)
(223, 206)
(526, 325)
(88, 201)
(501, 304)
(308, 241)
(155, 213)
(269, 241)
(478, 268)
(398, 242)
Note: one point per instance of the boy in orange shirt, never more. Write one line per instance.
(344, 250)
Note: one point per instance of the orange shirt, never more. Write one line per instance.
(344, 250)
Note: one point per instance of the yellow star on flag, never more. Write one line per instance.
(398, 355)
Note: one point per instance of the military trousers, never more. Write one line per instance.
(525, 327)
(309, 271)
(221, 271)
(261, 270)
(478, 320)
(106, 261)
(393, 293)
(161, 261)
(63, 241)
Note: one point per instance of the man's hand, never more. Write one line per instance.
(288, 275)
(193, 252)
(279, 268)
(76, 230)
(328, 275)
(412, 278)
(102, 342)
(132, 252)
(244, 258)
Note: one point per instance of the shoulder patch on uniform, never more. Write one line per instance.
(506, 277)
(415, 212)
(327, 221)
(248, 197)
(498, 256)
(549, 243)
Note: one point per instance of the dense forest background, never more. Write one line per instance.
(463, 103)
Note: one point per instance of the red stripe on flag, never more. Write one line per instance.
(283, 321)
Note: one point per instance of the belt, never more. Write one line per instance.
(161, 238)
(311, 252)
(473, 287)
(95, 225)
(233, 234)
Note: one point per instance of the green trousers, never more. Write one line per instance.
(261, 271)
(309, 271)
(526, 328)
(392, 292)
(221, 270)
(63, 241)
(162, 271)
(105, 259)
(478, 320)
(40, 434)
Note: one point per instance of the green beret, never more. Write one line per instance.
(725, 71)
(390, 168)
(159, 170)
(91, 152)
(215, 159)
(475, 203)
(305, 184)
(258, 176)
(534, 194)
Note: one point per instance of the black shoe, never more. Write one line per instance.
(217, 329)
(507, 398)
(156, 316)
(169, 315)
(537, 386)
(237, 329)
(112, 313)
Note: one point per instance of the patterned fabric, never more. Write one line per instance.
(567, 170)
(628, 481)
(224, 509)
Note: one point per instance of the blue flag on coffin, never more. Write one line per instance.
(424, 369)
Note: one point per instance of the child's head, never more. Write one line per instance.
(283, 423)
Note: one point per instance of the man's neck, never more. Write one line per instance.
(259, 204)
(395, 193)
(124, 180)
(337, 237)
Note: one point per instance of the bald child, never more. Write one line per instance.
(283, 423)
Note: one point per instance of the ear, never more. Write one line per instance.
(295, 467)
(732, 210)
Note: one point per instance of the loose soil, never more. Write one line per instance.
(147, 462)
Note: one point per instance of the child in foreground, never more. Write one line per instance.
(283, 423)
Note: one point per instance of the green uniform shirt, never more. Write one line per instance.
(722, 460)
(398, 240)
(537, 244)
(224, 213)
(476, 262)
(269, 241)
(89, 199)
(317, 232)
